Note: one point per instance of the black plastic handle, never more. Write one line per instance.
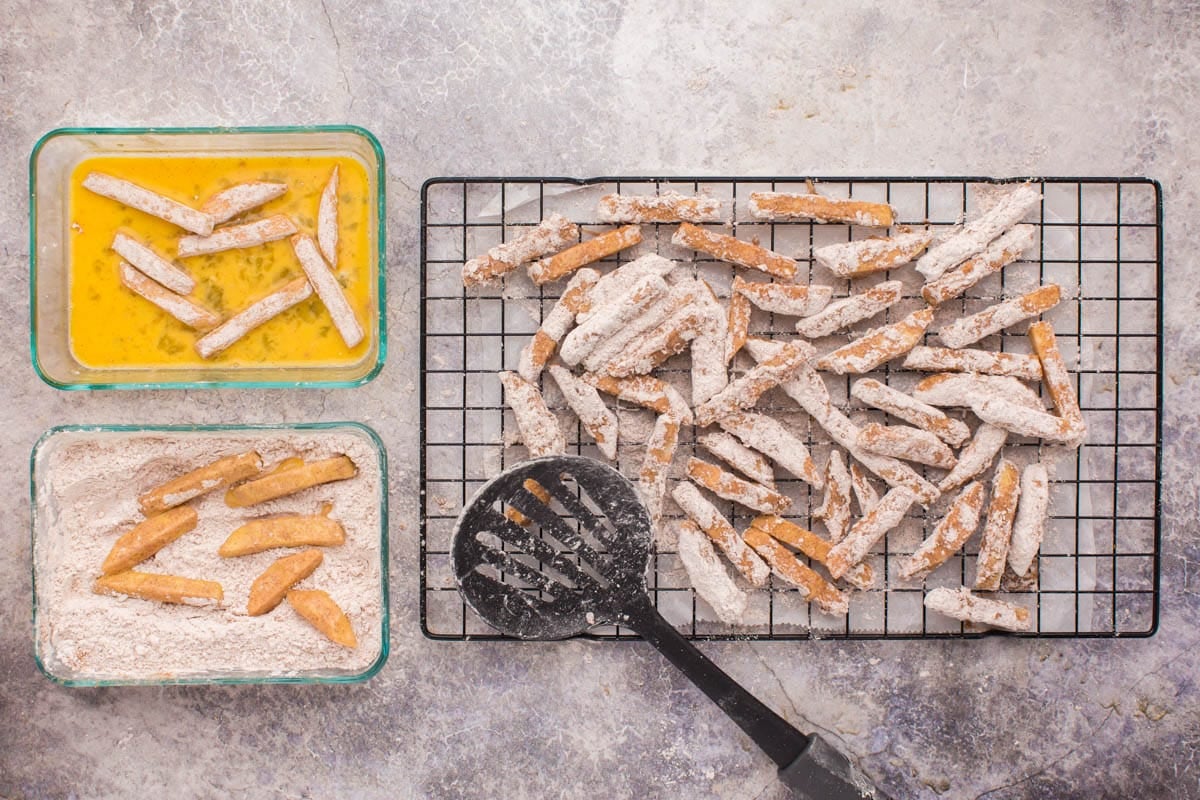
(809, 766)
(771, 732)
(823, 773)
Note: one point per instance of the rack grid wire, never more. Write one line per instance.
(1097, 574)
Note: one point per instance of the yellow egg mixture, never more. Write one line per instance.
(111, 327)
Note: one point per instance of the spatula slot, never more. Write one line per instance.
(530, 576)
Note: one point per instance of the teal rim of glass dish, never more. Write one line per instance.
(232, 680)
(381, 237)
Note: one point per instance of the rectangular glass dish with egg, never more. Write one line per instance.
(91, 331)
(88, 487)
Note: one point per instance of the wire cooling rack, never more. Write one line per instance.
(1100, 238)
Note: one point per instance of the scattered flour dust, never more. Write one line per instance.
(87, 488)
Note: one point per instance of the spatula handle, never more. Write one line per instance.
(809, 766)
(771, 732)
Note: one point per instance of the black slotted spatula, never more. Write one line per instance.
(533, 571)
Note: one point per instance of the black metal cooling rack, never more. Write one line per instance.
(1101, 238)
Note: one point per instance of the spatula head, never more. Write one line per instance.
(551, 547)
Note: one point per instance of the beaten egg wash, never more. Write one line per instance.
(112, 327)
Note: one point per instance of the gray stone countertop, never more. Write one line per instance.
(527, 88)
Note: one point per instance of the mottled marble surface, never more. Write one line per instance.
(617, 87)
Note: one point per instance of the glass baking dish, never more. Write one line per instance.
(77, 514)
(53, 232)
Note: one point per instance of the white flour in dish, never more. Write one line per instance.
(87, 488)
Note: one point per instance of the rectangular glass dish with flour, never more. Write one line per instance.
(102, 493)
(176, 258)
